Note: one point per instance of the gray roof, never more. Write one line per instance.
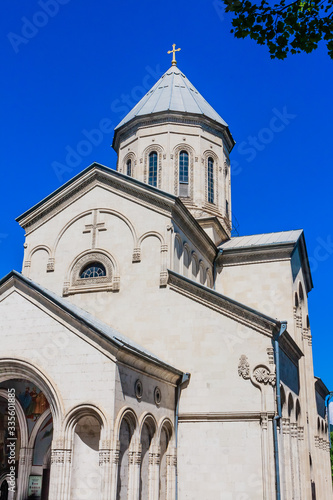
(107, 331)
(173, 92)
(257, 240)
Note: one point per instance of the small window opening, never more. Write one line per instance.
(129, 168)
(210, 180)
(152, 178)
(93, 270)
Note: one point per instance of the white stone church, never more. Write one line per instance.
(146, 354)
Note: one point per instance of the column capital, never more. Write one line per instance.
(61, 456)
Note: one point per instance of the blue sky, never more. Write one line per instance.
(82, 65)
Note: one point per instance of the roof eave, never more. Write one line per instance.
(129, 351)
(224, 129)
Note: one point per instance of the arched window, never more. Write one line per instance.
(183, 174)
(93, 270)
(152, 178)
(210, 180)
(129, 168)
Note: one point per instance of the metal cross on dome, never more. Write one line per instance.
(173, 52)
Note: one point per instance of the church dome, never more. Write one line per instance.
(173, 92)
(175, 141)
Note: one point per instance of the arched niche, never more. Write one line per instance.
(148, 431)
(202, 273)
(165, 440)
(38, 263)
(186, 260)
(178, 251)
(298, 414)
(283, 401)
(300, 292)
(127, 428)
(290, 406)
(85, 475)
(195, 265)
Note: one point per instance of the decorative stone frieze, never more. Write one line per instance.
(104, 457)
(115, 455)
(307, 336)
(134, 457)
(261, 373)
(61, 456)
(136, 255)
(264, 376)
(154, 458)
(270, 353)
(264, 421)
(50, 265)
(293, 430)
(171, 460)
(300, 435)
(286, 425)
(163, 279)
(244, 367)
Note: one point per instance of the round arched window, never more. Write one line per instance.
(93, 270)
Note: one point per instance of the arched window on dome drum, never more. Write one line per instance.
(210, 180)
(93, 270)
(183, 174)
(129, 168)
(152, 177)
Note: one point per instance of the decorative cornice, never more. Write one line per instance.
(224, 416)
(256, 255)
(222, 304)
(129, 129)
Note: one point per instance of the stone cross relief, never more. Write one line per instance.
(94, 228)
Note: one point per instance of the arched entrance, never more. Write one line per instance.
(4, 490)
(26, 430)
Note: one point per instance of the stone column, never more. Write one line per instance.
(105, 459)
(295, 459)
(171, 460)
(288, 486)
(164, 272)
(265, 456)
(302, 452)
(114, 470)
(154, 472)
(134, 463)
(25, 463)
(60, 474)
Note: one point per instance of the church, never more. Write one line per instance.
(146, 352)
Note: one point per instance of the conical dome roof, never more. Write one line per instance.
(173, 92)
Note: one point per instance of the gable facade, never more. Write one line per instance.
(173, 360)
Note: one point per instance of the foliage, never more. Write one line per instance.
(284, 27)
